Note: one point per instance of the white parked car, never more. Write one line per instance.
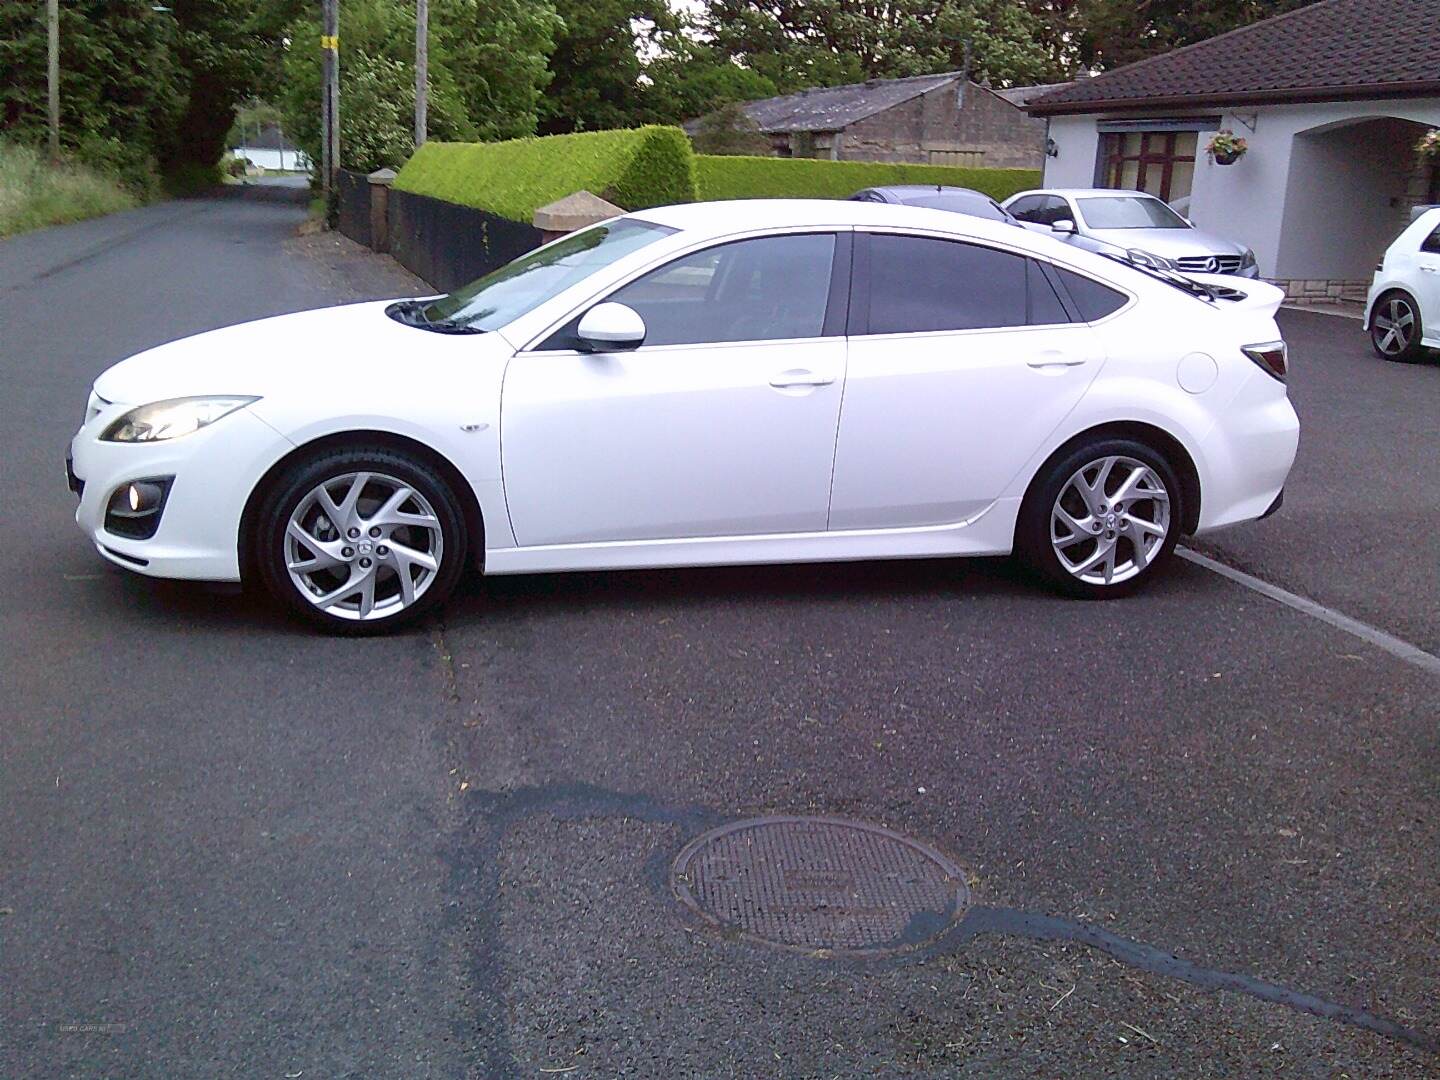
(695, 385)
(1101, 219)
(1402, 311)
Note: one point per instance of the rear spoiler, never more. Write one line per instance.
(1242, 294)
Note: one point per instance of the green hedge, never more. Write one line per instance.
(811, 178)
(648, 166)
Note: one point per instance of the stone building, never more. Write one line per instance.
(942, 119)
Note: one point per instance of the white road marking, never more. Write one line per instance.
(1364, 631)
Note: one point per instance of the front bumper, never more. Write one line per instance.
(215, 470)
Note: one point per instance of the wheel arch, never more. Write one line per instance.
(1159, 440)
(362, 440)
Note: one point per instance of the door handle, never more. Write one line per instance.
(790, 380)
(1431, 269)
(1056, 360)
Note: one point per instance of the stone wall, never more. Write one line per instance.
(1000, 135)
(1307, 291)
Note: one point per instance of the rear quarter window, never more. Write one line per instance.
(1093, 300)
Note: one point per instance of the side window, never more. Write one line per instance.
(1432, 242)
(1093, 300)
(1045, 306)
(773, 287)
(1055, 209)
(918, 284)
(1025, 209)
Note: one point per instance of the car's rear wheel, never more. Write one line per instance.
(1395, 328)
(360, 541)
(1099, 520)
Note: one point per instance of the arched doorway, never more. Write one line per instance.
(1350, 190)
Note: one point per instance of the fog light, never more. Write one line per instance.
(142, 497)
(134, 509)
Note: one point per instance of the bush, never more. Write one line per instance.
(649, 166)
(34, 193)
(811, 178)
(730, 130)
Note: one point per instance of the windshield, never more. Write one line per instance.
(1129, 212)
(504, 295)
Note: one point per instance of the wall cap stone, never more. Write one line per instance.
(573, 212)
(385, 177)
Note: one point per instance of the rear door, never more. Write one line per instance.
(963, 359)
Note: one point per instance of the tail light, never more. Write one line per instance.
(1272, 356)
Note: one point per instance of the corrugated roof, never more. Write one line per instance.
(1329, 51)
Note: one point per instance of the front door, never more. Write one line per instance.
(962, 362)
(722, 423)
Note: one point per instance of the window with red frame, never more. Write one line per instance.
(1161, 163)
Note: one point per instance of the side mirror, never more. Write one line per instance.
(610, 327)
(1064, 225)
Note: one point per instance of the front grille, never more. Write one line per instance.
(1210, 264)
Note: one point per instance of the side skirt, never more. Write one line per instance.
(991, 532)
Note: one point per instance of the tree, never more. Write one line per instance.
(595, 69)
(730, 130)
(800, 43)
(1111, 33)
(377, 87)
(689, 79)
(486, 71)
(120, 86)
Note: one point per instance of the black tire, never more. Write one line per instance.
(431, 587)
(1390, 313)
(1035, 544)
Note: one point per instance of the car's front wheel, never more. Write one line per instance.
(1395, 328)
(1100, 519)
(360, 541)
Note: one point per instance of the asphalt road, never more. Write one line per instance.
(228, 847)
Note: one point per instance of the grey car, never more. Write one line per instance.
(959, 200)
(1108, 218)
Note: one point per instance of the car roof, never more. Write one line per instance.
(1103, 193)
(927, 189)
(743, 214)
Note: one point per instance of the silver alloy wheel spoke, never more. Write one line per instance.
(363, 545)
(1110, 520)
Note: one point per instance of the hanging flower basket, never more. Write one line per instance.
(1225, 147)
(1429, 145)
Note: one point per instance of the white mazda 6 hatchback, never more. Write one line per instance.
(752, 382)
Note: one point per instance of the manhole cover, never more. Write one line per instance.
(820, 883)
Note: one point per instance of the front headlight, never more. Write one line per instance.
(171, 419)
(1141, 257)
(1247, 260)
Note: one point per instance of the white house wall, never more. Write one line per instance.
(1246, 202)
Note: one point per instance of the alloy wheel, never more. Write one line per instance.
(1110, 520)
(363, 546)
(1394, 325)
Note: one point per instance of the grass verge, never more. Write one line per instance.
(35, 193)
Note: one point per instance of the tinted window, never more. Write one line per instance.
(1024, 208)
(1045, 306)
(1041, 209)
(974, 205)
(1432, 242)
(919, 284)
(1093, 300)
(751, 290)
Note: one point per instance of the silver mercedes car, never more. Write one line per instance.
(1101, 219)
